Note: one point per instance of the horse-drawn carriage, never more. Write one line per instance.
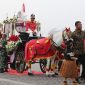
(44, 47)
(18, 53)
(33, 49)
(16, 49)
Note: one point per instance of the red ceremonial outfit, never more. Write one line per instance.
(31, 25)
(36, 49)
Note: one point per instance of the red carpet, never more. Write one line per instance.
(14, 72)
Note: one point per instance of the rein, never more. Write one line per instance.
(56, 46)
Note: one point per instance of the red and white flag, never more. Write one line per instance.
(23, 7)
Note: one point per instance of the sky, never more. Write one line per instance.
(51, 14)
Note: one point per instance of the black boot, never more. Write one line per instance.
(56, 73)
(81, 80)
(78, 80)
(1, 70)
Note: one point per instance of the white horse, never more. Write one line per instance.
(57, 37)
(31, 51)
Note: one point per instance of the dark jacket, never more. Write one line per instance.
(78, 37)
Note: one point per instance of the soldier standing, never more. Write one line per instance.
(3, 54)
(79, 35)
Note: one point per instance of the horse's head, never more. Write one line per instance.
(56, 35)
(66, 33)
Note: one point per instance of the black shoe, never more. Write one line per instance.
(30, 74)
(1, 70)
(53, 75)
(80, 80)
(56, 73)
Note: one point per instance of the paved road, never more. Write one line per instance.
(7, 79)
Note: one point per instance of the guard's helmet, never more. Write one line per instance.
(32, 16)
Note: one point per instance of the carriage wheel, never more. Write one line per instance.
(19, 61)
(43, 63)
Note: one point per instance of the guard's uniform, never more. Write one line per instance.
(3, 56)
(31, 26)
(79, 51)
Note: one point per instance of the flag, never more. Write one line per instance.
(23, 7)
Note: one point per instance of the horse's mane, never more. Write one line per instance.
(59, 35)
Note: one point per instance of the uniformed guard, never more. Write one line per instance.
(32, 26)
(79, 35)
(3, 54)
